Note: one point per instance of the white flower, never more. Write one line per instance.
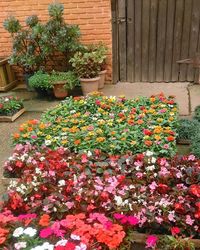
(38, 171)
(153, 160)
(47, 142)
(150, 168)
(61, 183)
(75, 237)
(118, 200)
(18, 232)
(61, 243)
(89, 154)
(19, 245)
(30, 231)
(55, 209)
(81, 247)
(42, 158)
(149, 153)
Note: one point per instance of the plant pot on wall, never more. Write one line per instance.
(59, 89)
(102, 76)
(89, 85)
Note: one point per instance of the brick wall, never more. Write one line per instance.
(92, 16)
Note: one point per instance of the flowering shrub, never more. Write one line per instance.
(9, 105)
(155, 194)
(74, 232)
(106, 123)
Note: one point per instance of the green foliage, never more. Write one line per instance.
(38, 43)
(69, 78)
(40, 80)
(10, 105)
(32, 21)
(195, 146)
(56, 10)
(197, 113)
(12, 25)
(187, 128)
(175, 243)
(86, 64)
(101, 51)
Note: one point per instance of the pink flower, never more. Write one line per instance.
(118, 216)
(34, 136)
(133, 220)
(46, 232)
(189, 220)
(191, 157)
(153, 185)
(84, 158)
(151, 241)
(166, 146)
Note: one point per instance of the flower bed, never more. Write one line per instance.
(142, 192)
(107, 123)
(10, 108)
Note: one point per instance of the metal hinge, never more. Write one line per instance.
(119, 20)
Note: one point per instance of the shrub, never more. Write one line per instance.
(197, 113)
(69, 78)
(195, 145)
(40, 80)
(187, 129)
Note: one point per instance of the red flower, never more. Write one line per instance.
(162, 188)
(147, 132)
(175, 230)
(195, 190)
(70, 246)
(104, 196)
(170, 138)
(179, 208)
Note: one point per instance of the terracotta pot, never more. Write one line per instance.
(102, 75)
(89, 85)
(59, 89)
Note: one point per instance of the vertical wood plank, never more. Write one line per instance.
(185, 39)
(177, 39)
(130, 40)
(169, 40)
(193, 37)
(160, 57)
(145, 39)
(138, 40)
(115, 45)
(152, 40)
(122, 39)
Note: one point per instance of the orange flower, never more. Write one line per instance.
(148, 143)
(16, 136)
(3, 234)
(170, 138)
(140, 122)
(77, 142)
(44, 220)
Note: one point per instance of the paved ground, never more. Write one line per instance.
(187, 96)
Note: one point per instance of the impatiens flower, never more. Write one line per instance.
(133, 220)
(189, 220)
(151, 241)
(30, 231)
(75, 237)
(61, 243)
(175, 230)
(20, 245)
(18, 232)
(44, 220)
(46, 232)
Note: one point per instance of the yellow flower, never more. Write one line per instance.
(171, 118)
(100, 139)
(133, 142)
(157, 137)
(91, 133)
(42, 126)
(159, 119)
(171, 113)
(25, 135)
(39, 133)
(146, 137)
(64, 141)
(99, 131)
(48, 137)
(64, 129)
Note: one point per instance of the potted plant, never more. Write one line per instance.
(186, 130)
(10, 108)
(40, 81)
(86, 65)
(27, 52)
(62, 82)
(101, 51)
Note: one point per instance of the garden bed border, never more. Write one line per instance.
(13, 117)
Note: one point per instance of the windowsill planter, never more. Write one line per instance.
(7, 77)
(13, 117)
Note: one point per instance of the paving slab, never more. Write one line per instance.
(194, 91)
(131, 90)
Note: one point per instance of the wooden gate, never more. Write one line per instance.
(150, 36)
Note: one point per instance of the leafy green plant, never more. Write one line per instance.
(38, 43)
(186, 129)
(101, 51)
(69, 78)
(40, 80)
(9, 105)
(175, 243)
(197, 113)
(86, 64)
(195, 146)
